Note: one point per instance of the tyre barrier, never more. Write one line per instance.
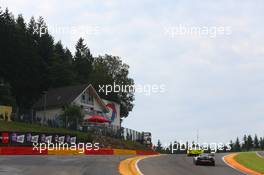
(26, 150)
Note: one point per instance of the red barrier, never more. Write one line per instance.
(27, 150)
(99, 152)
(139, 152)
(19, 150)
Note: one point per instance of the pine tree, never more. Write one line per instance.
(159, 146)
(31, 63)
(261, 143)
(45, 41)
(21, 25)
(245, 143)
(9, 17)
(60, 68)
(231, 144)
(237, 146)
(256, 142)
(68, 56)
(33, 31)
(250, 143)
(83, 61)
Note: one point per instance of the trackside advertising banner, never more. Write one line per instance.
(28, 138)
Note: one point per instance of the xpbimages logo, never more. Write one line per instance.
(80, 147)
(212, 147)
(146, 89)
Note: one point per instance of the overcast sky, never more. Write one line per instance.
(214, 84)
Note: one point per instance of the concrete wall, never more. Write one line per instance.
(50, 113)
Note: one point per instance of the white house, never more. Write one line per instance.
(50, 106)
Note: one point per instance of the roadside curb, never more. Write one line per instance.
(130, 166)
(24, 150)
(230, 161)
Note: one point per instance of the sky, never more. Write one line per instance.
(213, 83)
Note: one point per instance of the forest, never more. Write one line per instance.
(31, 62)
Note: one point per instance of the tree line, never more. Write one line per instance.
(31, 62)
(247, 143)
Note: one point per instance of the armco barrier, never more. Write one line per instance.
(19, 150)
(140, 152)
(26, 150)
(100, 152)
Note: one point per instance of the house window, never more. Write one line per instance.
(87, 98)
(83, 98)
(90, 99)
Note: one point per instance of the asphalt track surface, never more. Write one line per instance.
(60, 165)
(183, 165)
(108, 165)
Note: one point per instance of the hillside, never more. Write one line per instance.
(106, 142)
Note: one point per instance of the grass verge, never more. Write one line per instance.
(251, 161)
(82, 136)
(26, 127)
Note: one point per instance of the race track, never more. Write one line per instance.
(107, 165)
(183, 165)
(60, 165)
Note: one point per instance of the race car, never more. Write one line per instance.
(194, 152)
(204, 159)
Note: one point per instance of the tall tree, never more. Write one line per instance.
(231, 144)
(159, 147)
(250, 143)
(237, 146)
(245, 143)
(19, 61)
(110, 70)
(256, 142)
(261, 143)
(31, 63)
(83, 61)
(60, 67)
(33, 31)
(45, 42)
